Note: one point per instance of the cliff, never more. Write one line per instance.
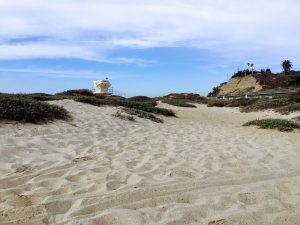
(256, 83)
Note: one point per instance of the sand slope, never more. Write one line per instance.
(200, 168)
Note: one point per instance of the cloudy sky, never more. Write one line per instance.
(149, 47)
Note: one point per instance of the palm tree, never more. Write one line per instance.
(287, 66)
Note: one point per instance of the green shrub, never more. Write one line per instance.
(280, 124)
(266, 103)
(143, 114)
(85, 92)
(143, 99)
(123, 117)
(295, 97)
(179, 103)
(230, 103)
(37, 96)
(24, 109)
(290, 108)
(146, 107)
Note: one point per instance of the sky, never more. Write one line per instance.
(144, 47)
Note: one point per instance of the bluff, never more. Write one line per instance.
(255, 83)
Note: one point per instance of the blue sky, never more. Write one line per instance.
(144, 47)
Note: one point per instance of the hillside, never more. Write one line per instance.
(256, 83)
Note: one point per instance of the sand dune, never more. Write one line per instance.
(203, 167)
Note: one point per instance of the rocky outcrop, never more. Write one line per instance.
(255, 83)
(240, 85)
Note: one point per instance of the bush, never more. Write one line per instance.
(143, 114)
(146, 107)
(290, 108)
(123, 117)
(265, 103)
(230, 103)
(143, 99)
(280, 124)
(85, 92)
(179, 103)
(295, 97)
(28, 110)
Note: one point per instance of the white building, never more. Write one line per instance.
(102, 86)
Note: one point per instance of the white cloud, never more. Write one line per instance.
(60, 73)
(91, 29)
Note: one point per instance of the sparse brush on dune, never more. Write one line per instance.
(22, 109)
(230, 103)
(123, 117)
(289, 109)
(280, 124)
(143, 106)
(30, 103)
(143, 99)
(178, 102)
(143, 114)
(266, 103)
(295, 97)
(85, 92)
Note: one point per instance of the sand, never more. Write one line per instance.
(203, 167)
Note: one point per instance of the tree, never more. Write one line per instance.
(287, 66)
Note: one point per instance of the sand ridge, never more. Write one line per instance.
(200, 168)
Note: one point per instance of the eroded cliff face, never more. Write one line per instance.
(240, 85)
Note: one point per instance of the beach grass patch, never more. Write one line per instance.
(123, 117)
(295, 97)
(266, 103)
(280, 124)
(289, 109)
(84, 92)
(178, 103)
(143, 114)
(24, 109)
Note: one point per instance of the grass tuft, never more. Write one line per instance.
(280, 124)
(179, 103)
(143, 114)
(123, 117)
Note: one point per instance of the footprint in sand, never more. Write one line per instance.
(22, 169)
(113, 185)
(82, 159)
(218, 222)
(249, 198)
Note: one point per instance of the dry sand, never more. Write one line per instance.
(200, 168)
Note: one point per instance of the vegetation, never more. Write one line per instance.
(266, 103)
(85, 92)
(230, 103)
(289, 108)
(143, 99)
(24, 109)
(295, 97)
(123, 117)
(287, 66)
(146, 107)
(31, 108)
(280, 124)
(178, 102)
(143, 114)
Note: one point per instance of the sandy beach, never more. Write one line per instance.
(201, 168)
